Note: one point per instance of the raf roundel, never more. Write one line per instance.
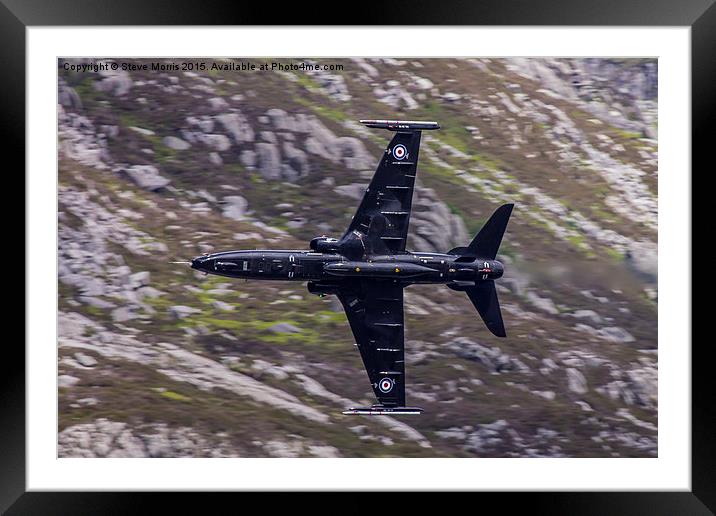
(386, 385)
(399, 151)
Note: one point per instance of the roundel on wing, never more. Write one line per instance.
(386, 385)
(400, 151)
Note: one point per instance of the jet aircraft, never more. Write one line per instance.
(369, 267)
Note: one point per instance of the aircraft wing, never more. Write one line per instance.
(381, 222)
(375, 312)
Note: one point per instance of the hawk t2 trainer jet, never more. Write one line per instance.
(368, 267)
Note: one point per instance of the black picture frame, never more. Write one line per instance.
(699, 15)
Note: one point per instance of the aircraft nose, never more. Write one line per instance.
(199, 262)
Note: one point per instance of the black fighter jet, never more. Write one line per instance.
(368, 267)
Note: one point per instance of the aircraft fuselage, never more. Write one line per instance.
(301, 265)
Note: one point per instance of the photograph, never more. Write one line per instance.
(357, 257)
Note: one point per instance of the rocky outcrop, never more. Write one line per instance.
(491, 357)
(114, 82)
(616, 93)
(238, 126)
(113, 439)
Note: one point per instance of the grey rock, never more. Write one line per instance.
(114, 82)
(235, 207)
(324, 451)
(123, 314)
(248, 158)
(92, 286)
(175, 143)
(68, 97)
(284, 328)
(590, 315)
(451, 97)
(296, 159)
(353, 153)
(147, 177)
(435, 227)
(222, 305)
(85, 360)
(149, 292)
(139, 279)
(181, 311)
(238, 127)
(66, 381)
(111, 131)
(96, 302)
(576, 382)
(269, 137)
(206, 124)
(269, 160)
(280, 119)
(215, 159)
(642, 258)
(616, 334)
(218, 142)
(142, 130)
(288, 173)
(493, 358)
(422, 83)
(542, 303)
(217, 103)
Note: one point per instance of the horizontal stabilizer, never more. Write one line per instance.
(484, 296)
(401, 125)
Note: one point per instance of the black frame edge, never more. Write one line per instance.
(396, 12)
(12, 138)
(703, 113)
(699, 14)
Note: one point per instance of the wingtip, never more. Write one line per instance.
(401, 125)
(498, 332)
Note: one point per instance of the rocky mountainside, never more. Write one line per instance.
(155, 166)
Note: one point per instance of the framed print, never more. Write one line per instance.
(385, 256)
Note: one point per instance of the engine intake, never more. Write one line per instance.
(324, 245)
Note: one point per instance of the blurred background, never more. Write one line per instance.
(156, 360)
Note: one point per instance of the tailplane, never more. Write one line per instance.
(484, 296)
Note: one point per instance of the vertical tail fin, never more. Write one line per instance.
(485, 246)
(484, 296)
(488, 240)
